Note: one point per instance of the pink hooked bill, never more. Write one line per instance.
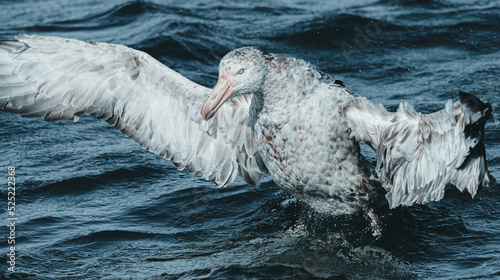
(219, 95)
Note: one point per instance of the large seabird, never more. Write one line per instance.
(267, 113)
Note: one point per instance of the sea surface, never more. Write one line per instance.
(91, 204)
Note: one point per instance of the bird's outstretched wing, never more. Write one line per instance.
(419, 154)
(62, 79)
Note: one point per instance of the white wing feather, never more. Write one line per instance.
(57, 78)
(419, 154)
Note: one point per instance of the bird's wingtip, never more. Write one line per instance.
(472, 102)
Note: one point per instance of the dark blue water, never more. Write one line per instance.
(91, 204)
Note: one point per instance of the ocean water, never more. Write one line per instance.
(91, 204)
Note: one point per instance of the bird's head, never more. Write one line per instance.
(241, 72)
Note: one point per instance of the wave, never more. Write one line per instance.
(348, 32)
(430, 4)
(188, 45)
(110, 236)
(329, 30)
(117, 16)
(84, 184)
(273, 271)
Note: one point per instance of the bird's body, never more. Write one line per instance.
(267, 113)
(303, 138)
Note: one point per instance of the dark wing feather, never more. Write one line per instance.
(419, 154)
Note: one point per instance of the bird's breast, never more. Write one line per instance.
(307, 149)
(304, 146)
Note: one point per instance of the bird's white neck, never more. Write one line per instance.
(288, 82)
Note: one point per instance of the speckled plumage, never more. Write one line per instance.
(306, 125)
(298, 125)
(301, 125)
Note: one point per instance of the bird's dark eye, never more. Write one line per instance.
(241, 71)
